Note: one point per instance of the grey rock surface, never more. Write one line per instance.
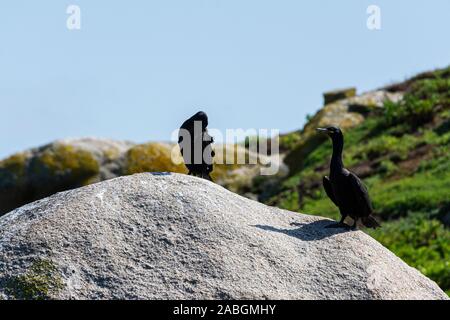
(160, 236)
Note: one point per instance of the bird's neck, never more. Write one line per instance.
(336, 159)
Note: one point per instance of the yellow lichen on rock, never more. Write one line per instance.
(339, 94)
(15, 164)
(111, 154)
(153, 157)
(65, 159)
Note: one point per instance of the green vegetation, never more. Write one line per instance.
(428, 245)
(38, 283)
(403, 155)
(288, 141)
(421, 102)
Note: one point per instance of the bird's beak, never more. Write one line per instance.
(321, 130)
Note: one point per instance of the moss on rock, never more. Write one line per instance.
(63, 167)
(38, 283)
(153, 157)
(65, 159)
(38, 173)
(13, 181)
(12, 169)
(15, 163)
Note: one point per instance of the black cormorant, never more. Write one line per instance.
(195, 145)
(344, 188)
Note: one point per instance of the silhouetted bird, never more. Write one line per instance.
(195, 145)
(344, 188)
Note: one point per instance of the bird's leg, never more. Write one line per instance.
(342, 219)
(354, 224)
(206, 176)
(339, 224)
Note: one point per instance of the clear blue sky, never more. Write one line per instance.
(137, 69)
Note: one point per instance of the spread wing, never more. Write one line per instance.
(329, 191)
(361, 194)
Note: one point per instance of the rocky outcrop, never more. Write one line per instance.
(345, 113)
(61, 165)
(339, 94)
(172, 236)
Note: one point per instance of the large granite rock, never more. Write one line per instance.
(159, 236)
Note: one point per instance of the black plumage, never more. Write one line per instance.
(344, 187)
(196, 145)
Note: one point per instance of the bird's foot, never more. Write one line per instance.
(354, 227)
(337, 225)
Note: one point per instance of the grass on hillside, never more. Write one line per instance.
(405, 152)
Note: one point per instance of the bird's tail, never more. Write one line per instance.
(370, 222)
